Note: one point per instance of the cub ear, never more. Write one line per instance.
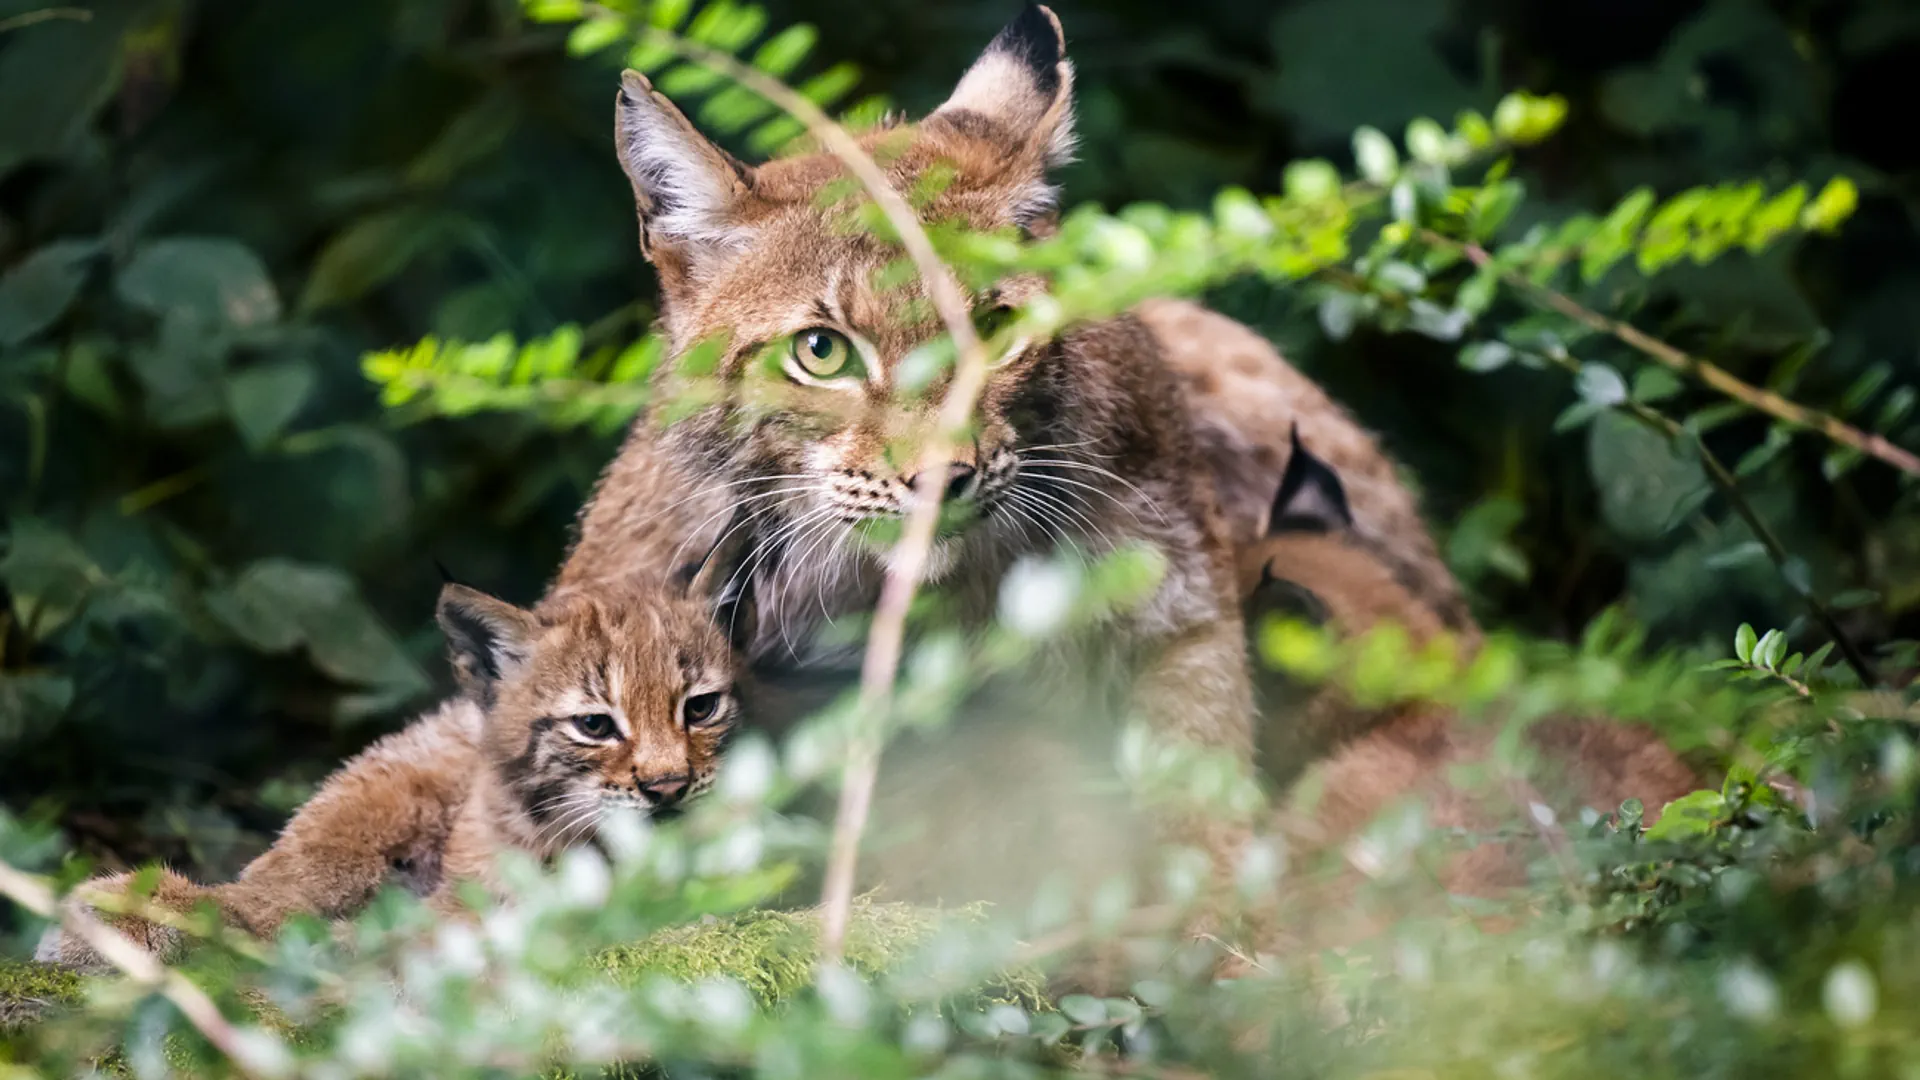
(1019, 93)
(688, 190)
(723, 579)
(1311, 497)
(487, 639)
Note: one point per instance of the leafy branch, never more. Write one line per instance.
(1680, 362)
(139, 966)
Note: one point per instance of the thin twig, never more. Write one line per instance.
(1729, 486)
(1718, 378)
(887, 636)
(45, 15)
(132, 961)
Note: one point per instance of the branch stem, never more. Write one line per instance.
(130, 960)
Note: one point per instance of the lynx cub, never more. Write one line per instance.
(1358, 761)
(621, 696)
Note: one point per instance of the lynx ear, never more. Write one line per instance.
(1019, 93)
(689, 191)
(1311, 497)
(488, 639)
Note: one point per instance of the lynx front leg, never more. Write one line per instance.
(1193, 753)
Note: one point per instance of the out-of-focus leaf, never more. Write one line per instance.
(1688, 816)
(211, 280)
(1322, 43)
(477, 132)
(53, 77)
(263, 400)
(182, 372)
(48, 575)
(31, 702)
(369, 252)
(41, 287)
(1645, 488)
(277, 604)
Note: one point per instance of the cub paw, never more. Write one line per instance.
(59, 945)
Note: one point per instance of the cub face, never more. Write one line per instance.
(616, 697)
(820, 346)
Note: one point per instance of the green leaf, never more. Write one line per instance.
(277, 604)
(1743, 642)
(1312, 180)
(1834, 205)
(1651, 384)
(727, 26)
(262, 400)
(1427, 141)
(1645, 487)
(1373, 152)
(48, 575)
(830, 85)
(1778, 215)
(1084, 1009)
(1689, 816)
(553, 10)
(209, 280)
(31, 703)
(40, 288)
(668, 14)
(1772, 646)
(1485, 356)
(595, 34)
(53, 78)
(369, 253)
(785, 50)
(1523, 118)
(1600, 386)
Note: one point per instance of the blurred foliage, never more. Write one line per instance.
(220, 534)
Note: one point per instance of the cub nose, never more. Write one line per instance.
(960, 478)
(665, 790)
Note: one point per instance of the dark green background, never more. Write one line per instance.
(239, 543)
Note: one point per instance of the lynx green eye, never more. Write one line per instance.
(701, 708)
(825, 354)
(595, 726)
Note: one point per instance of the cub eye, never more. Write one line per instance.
(595, 725)
(825, 354)
(701, 708)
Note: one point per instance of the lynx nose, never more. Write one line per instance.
(665, 790)
(960, 478)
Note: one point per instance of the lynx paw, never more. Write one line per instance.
(59, 945)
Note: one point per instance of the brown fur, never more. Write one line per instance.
(496, 768)
(1359, 762)
(1246, 403)
(1086, 441)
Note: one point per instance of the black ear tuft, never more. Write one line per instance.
(1035, 39)
(446, 575)
(1311, 497)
